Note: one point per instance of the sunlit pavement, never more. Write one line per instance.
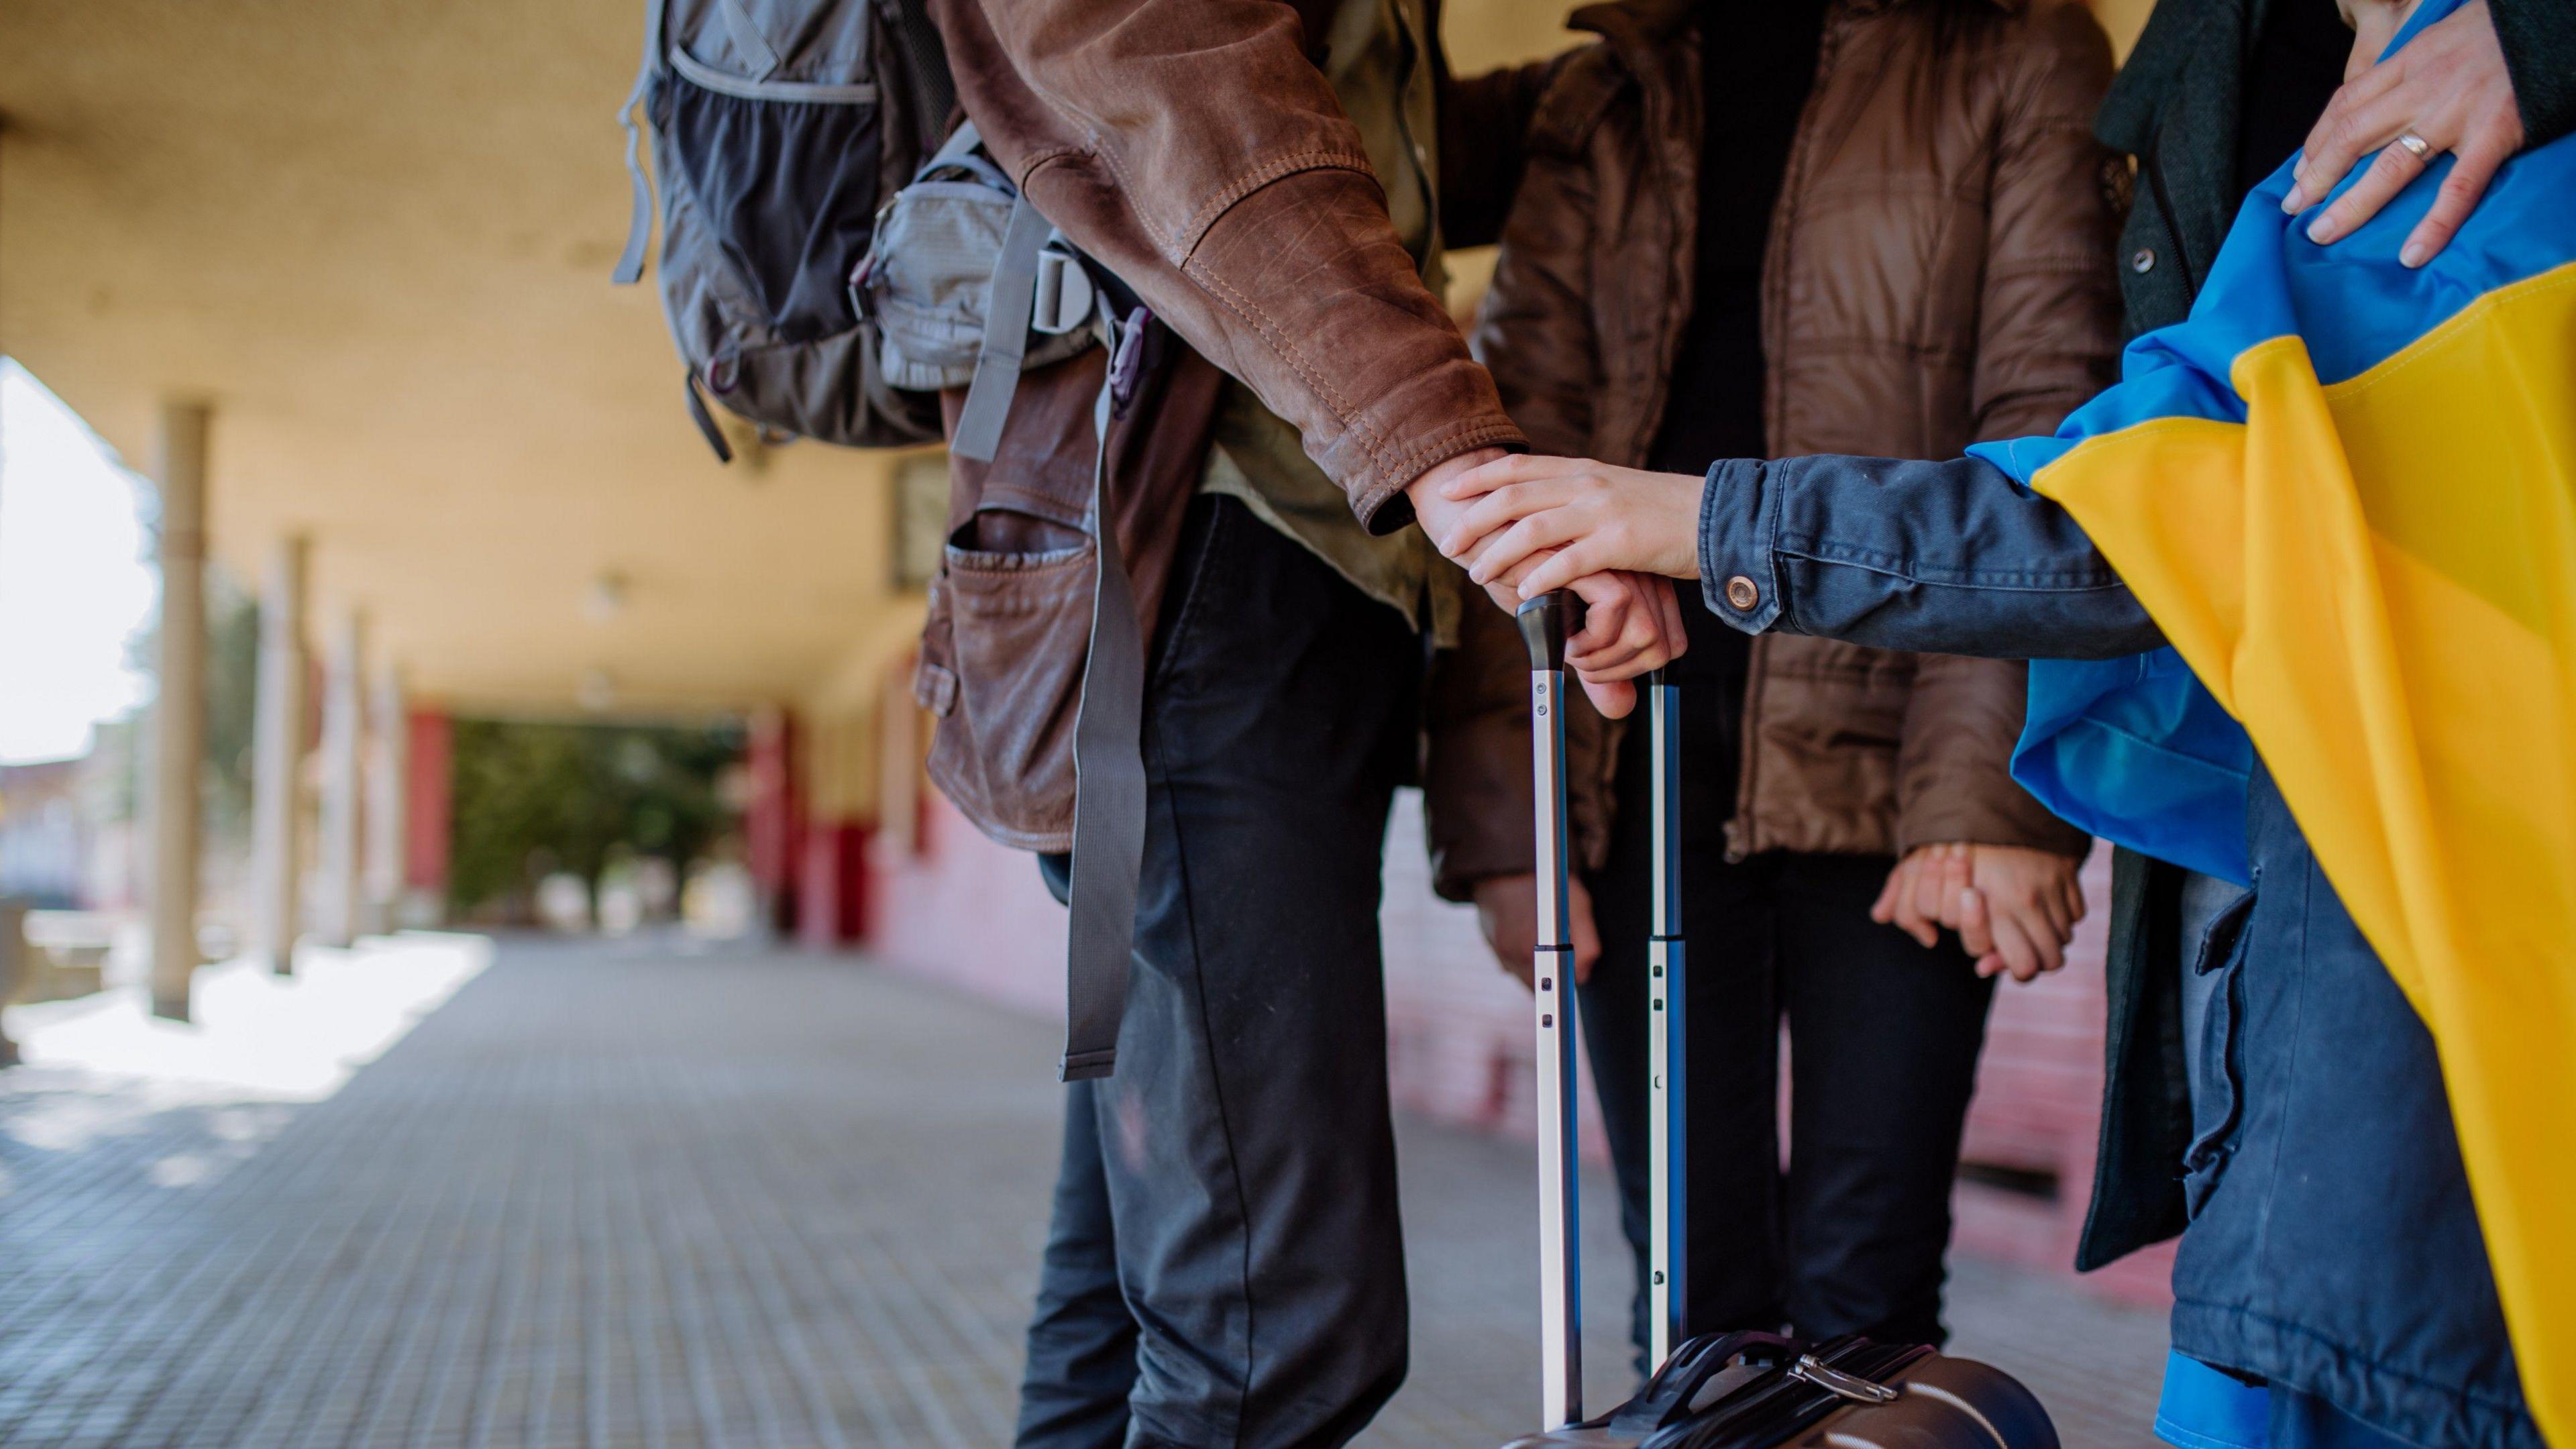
(659, 1194)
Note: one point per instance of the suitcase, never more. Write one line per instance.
(1717, 1391)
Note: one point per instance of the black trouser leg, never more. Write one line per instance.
(1245, 1141)
(1082, 1341)
(1732, 1086)
(1884, 1042)
(1884, 1036)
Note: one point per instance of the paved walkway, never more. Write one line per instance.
(628, 1195)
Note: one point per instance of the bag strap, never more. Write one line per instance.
(1008, 301)
(1108, 727)
(960, 142)
(639, 218)
(1108, 753)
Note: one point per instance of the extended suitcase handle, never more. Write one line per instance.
(1546, 623)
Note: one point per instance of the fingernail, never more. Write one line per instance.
(2290, 201)
(2298, 167)
(2412, 254)
(2321, 230)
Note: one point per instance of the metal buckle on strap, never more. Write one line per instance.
(1841, 1385)
(1064, 296)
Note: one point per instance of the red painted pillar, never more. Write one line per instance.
(833, 899)
(429, 805)
(772, 824)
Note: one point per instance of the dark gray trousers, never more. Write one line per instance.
(1226, 1264)
(1884, 1038)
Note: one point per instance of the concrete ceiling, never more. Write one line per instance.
(375, 235)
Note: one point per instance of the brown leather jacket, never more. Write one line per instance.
(1194, 148)
(1938, 272)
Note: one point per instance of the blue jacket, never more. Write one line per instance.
(2332, 1244)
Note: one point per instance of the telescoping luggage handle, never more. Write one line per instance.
(1545, 623)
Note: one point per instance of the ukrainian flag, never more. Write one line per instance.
(2347, 491)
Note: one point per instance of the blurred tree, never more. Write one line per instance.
(231, 705)
(531, 797)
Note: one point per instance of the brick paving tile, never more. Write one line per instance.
(650, 1195)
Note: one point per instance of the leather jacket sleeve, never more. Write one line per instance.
(2048, 339)
(1195, 150)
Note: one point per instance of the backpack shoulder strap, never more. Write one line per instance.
(1109, 790)
(639, 220)
(1008, 304)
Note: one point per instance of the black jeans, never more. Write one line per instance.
(1226, 1263)
(1884, 1037)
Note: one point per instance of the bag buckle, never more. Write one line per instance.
(1841, 1385)
(1064, 298)
(1127, 362)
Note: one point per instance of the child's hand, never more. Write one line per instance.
(1631, 625)
(2019, 913)
(1575, 517)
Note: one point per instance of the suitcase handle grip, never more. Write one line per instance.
(1546, 622)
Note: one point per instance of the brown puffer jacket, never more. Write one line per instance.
(1938, 273)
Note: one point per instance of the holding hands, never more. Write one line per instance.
(1524, 525)
(1543, 523)
(2014, 908)
(1632, 622)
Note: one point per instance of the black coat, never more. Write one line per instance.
(2175, 109)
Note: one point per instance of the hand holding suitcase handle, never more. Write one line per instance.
(1546, 623)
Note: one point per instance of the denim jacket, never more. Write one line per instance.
(2332, 1245)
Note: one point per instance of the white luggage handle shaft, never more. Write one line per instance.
(1667, 1064)
(1544, 625)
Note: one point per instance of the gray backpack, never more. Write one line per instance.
(779, 128)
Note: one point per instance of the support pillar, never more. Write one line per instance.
(343, 736)
(773, 826)
(388, 783)
(277, 762)
(13, 966)
(832, 892)
(428, 806)
(179, 707)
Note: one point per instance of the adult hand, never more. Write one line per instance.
(1550, 521)
(1923, 891)
(1632, 624)
(2449, 89)
(1507, 910)
(2019, 910)
(1439, 514)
